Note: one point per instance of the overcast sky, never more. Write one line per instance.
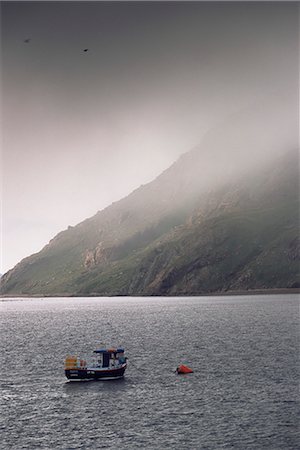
(84, 128)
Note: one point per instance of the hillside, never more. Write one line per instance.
(188, 232)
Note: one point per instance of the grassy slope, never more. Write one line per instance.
(55, 269)
(237, 250)
(162, 239)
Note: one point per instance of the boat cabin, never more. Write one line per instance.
(111, 357)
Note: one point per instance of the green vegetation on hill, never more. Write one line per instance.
(178, 235)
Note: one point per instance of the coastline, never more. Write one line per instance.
(249, 292)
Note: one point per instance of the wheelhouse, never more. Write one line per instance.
(111, 357)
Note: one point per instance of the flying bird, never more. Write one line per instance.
(85, 49)
(27, 40)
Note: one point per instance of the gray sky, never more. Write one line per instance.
(83, 129)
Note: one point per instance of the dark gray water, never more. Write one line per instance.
(242, 394)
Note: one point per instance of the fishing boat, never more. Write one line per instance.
(108, 364)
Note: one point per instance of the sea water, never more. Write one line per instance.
(243, 393)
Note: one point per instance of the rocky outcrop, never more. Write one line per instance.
(99, 255)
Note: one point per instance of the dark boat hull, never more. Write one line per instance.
(95, 374)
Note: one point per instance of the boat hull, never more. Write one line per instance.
(95, 374)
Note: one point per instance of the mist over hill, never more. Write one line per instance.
(157, 76)
(223, 217)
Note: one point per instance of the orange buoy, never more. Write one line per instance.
(184, 369)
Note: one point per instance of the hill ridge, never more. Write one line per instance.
(166, 238)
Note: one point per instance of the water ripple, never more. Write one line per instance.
(243, 393)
